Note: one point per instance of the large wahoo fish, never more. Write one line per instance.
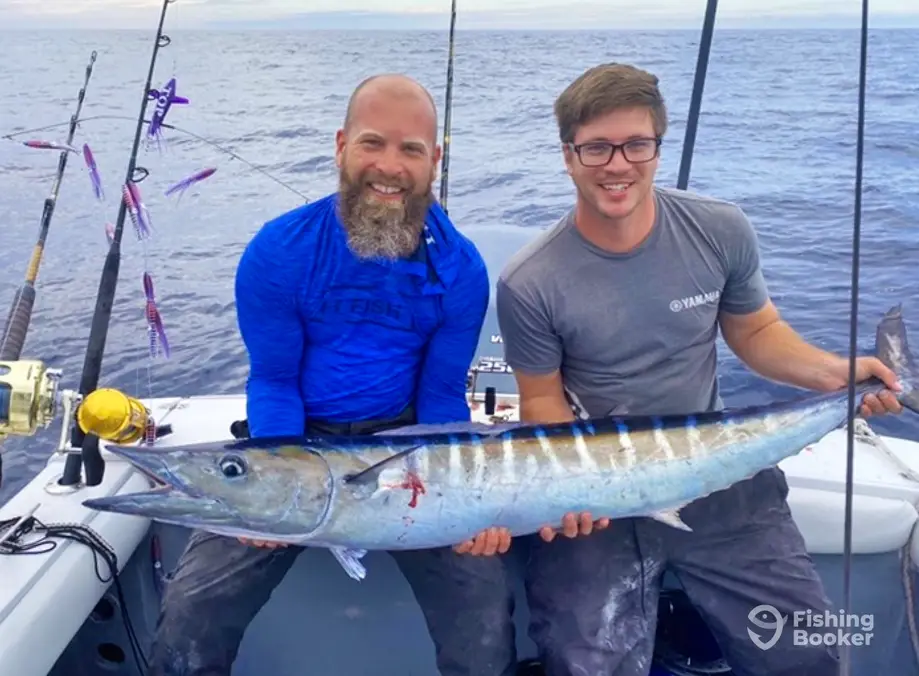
(438, 488)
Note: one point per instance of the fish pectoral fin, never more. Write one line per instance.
(372, 473)
(409, 479)
(350, 560)
(671, 517)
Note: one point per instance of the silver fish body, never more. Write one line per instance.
(415, 491)
(422, 492)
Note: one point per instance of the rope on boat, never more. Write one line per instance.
(12, 534)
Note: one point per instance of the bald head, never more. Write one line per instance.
(387, 88)
(387, 153)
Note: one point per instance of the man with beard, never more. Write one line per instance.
(361, 312)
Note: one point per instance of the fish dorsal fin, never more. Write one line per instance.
(481, 429)
(484, 430)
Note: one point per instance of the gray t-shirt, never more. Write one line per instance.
(633, 333)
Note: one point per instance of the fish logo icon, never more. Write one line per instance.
(766, 617)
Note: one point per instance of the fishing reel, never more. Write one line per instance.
(30, 396)
(114, 416)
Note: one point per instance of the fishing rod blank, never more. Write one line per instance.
(844, 663)
(695, 103)
(448, 116)
(91, 458)
(14, 333)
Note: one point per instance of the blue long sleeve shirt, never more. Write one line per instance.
(336, 338)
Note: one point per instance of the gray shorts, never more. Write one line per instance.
(594, 599)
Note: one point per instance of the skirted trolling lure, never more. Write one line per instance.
(189, 181)
(165, 98)
(140, 218)
(93, 172)
(50, 145)
(137, 210)
(159, 344)
(88, 158)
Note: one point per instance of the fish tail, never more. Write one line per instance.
(893, 350)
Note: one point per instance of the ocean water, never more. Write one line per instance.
(777, 135)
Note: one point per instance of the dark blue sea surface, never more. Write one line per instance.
(777, 135)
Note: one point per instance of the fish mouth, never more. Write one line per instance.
(168, 505)
(171, 500)
(155, 464)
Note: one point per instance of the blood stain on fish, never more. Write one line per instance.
(413, 483)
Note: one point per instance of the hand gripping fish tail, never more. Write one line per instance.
(433, 486)
(892, 348)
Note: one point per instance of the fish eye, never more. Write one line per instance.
(232, 466)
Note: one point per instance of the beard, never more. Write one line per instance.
(379, 228)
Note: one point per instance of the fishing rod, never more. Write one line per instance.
(844, 663)
(172, 127)
(695, 102)
(14, 333)
(90, 457)
(448, 110)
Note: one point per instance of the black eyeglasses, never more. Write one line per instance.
(600, 153)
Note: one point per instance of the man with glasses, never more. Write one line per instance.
(615, 311)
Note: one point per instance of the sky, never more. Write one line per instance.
(434, 14)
